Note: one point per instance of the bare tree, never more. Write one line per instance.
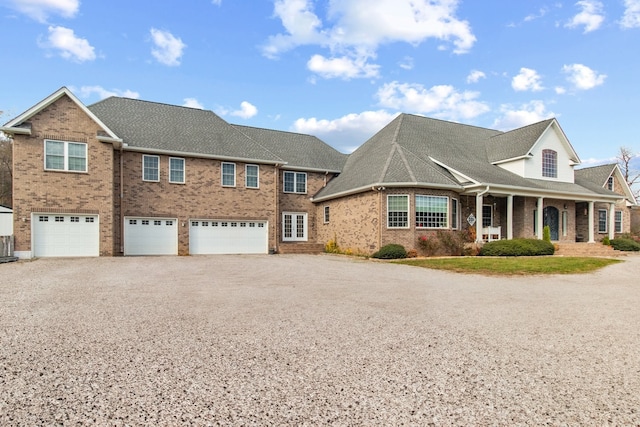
(6, 171)
(631, 174)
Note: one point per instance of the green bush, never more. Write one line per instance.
(625, 245)
(391, 251)
(606, 241)
(546, 233)
(517, 247)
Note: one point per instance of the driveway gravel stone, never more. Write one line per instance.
(313, 340)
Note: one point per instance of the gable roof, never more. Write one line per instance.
(162, 128)
(599, 176)
(300, 151)
(424, 152)
(19, 124)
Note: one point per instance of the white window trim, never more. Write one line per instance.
(295, 182)
(184, 170)
(246, 176)
(66, 156)
(491, 217)
(222, 174)
(613, 183)
(408, 212)
(606, 221)
(456, 219)
(447, 216)
(150, 180)
(294, 237)
(326, 214)
(616, 223)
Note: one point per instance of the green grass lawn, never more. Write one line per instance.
(513, 265)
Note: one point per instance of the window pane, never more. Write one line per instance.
(54, 155)
(301, 183)
(150, 168)
(602, 221)
(77, 164)
(229, 174)
(397, 211)
(487, 214)
(176, 170)
(251, 177)
(549, 164)
(618, 219)
(55, 148)
(432, 211)
(289, 180)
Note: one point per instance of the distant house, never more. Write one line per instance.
(131, 177)
(6, 221)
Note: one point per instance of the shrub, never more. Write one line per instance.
(517, 247)
(452, 242)
(391, 251)
(546, 233)
(332, 246)
(625, 245)
(606, 241)
(429, 245)
(412, 253)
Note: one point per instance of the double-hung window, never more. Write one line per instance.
(295, 182)
(65, 156)
(397, 211)
(549, 164)
(150, 168)
(602, 221)
(432, 211)
(251, 176)
(228, 174)
(618, 222)
(176, 170)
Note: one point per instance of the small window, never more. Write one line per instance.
(59, 219)
(252, 224)
(295, 182)
(234, 224)
(602, 221)
(618, 221)
(455, 219)
(88, 219)
(194, 223)
(133, 221)
(145, 222)
(214, 224)
(150, 168)
(243, 224)
(205, 223)
(251, 176)
(228, 174)
(176, 170)
(75, 219)
(168, 223)
(224, 224)
(326, 214)
(397, 211)
(65, 156)
(260, 225)
(610, 183)
(549, 164)
(43, 218)
(156, 222)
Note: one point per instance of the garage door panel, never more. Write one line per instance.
(150, 236)
(60, 235)
(228, 237)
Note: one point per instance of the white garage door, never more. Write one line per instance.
(150, 236)
(60, 235)
(228, 237)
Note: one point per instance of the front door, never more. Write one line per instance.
(294, 227)
(551, 218)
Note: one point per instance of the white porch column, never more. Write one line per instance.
(540, 219)
(591, 224)
(479, 200)
(510, 217)
(612, 221)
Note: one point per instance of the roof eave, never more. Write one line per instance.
(203, 156)
(533, 192)
(383, 185)
(10, 130)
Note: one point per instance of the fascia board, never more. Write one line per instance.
(530, 192)
(380, 185)
(202, 156)
(452, 170)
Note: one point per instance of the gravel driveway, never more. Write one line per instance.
(313, 340)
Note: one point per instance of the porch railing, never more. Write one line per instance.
(489, 234)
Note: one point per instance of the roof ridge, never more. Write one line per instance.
(153, 102)
(394, 147)
(521, 128)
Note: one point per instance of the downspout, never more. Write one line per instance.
(479, 214)
(276, 219)
(122, 198)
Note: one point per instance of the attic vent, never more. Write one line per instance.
(63, 137)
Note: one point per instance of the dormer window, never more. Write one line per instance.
(549, 164)
(610, 183)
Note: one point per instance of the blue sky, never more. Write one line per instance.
(341, 69)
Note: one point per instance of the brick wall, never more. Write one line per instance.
(38, 190)
(202, 196)
(301, 203)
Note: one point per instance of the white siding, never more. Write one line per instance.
(550, 140)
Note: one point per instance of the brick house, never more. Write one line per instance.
(131, 177)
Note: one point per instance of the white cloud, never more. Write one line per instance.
(560, 90)
(216, 2)
(541, 12)
(344, 67)
(406, 63)
(40, 10)
(168, 48)
(475, 76)
(193, 103)
(524, 115)
(246, 111)
(88, 91)
(631, 17)
(591, 16)
(583, 77)
(528, 79)
(345, 133)
(359, 27)
(441, 101)
(69, 45)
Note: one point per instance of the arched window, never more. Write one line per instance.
(549, 164)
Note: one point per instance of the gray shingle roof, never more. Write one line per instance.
(596, 174)
(155, 126)
(410, 150)
(298, 150)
